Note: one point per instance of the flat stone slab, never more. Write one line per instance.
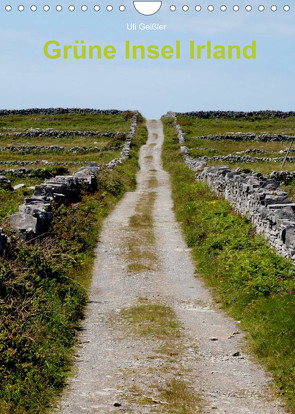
(18, 186)
(23, 222)
(278, 206)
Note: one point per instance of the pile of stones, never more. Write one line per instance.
(35, 216)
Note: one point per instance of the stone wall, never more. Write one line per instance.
(55, 148)
(55, 133)
(237, 114)
(241, 136)
(59, 111)
(259, 197)
(269, 208)
(246, 158)
(45, 162)
(35, 216)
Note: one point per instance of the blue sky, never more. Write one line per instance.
(29, 79)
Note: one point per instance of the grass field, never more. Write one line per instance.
(251, 282)
(195, 127)
(43, 292)
(67, 142)
(80, 121)
(101, 157)
(9, 201)
(256, 124)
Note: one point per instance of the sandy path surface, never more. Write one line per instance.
(121, 371)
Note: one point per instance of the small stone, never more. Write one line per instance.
(236, 354)
(18, 186)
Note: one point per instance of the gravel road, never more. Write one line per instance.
(119, 372)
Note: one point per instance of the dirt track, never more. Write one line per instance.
(119, 369)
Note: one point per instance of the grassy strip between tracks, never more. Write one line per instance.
(43, 291)
(254, 284)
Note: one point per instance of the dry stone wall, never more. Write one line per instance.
(52, 133)
(238, 114)
(35, 215)
(246, 158)
(259, 197)
(59, 111)
(240, 136)
(55, 148)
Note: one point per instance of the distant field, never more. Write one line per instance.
(196, 127)
(210, 148)
(102, 154)
(79, 121)
(258, 125)
(100, 157)
(67, 142)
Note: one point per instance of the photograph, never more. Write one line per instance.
(147, 207)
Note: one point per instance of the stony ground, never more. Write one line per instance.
(153, 340)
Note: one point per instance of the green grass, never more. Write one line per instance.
(194, 127)
(141, 240)
(152, 319)
(180, 396)
(67, 142)
(10, 200)
(43, 291)
(257, 124)
(230, 146)
(102, 157)
(290, 189)
(156, 322)
(80, 122)
(253, 283)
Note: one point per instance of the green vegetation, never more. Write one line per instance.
(67, 142)
(78, 122)
(152, 319)
(195, 127)
(180, 397)
(256, 124)
(254, 284)
(101, 157)
(141, 249)
(43, 291)
(10, 200)
(156, 322)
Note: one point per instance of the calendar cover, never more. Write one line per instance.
(147, 207)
